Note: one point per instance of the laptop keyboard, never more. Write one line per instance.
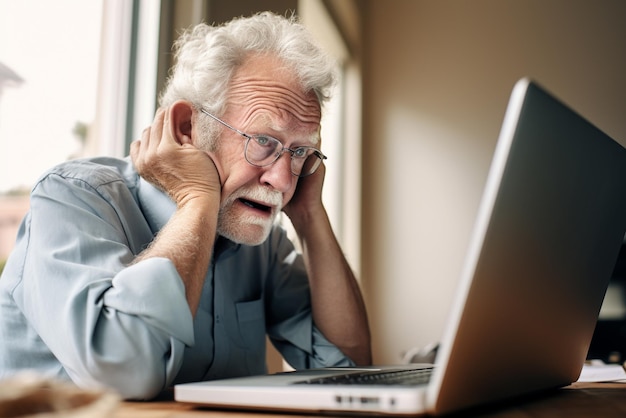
(401, 377)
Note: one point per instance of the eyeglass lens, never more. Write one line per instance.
(264, 150)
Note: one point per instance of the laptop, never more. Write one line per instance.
(548, 231)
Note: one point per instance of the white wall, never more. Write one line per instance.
(437, 79)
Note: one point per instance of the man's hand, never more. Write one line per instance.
(308, 196)
(173, 163)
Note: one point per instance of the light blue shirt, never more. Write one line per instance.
(73, 306)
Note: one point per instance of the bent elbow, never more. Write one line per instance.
(139, 389)
(138, 378)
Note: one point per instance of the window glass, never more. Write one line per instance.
(49, 54)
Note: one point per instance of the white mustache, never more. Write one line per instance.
(257, 194)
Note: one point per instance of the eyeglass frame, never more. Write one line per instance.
(315, 152)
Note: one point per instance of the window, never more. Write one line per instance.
(48, 78)
(48, 103)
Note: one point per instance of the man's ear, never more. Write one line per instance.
(181, 116)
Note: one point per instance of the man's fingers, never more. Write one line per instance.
(134, 151)
(156, 131)
(138, 148)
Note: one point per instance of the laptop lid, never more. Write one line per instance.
(546, 238)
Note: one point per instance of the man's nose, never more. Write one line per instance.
(279, 175)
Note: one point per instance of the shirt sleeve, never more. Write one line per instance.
(108, 321)
(290, 320)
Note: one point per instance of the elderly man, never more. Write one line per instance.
(168, 266)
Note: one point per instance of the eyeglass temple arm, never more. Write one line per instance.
(224, 123)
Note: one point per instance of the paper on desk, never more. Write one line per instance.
(601, 372)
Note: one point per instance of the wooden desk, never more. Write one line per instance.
(584, 400)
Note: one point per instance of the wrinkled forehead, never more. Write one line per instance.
(264, 83)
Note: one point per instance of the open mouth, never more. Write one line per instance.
(256, 205)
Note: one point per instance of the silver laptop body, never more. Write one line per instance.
(549, 227)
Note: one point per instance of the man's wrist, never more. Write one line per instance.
(313, 218)
(199, 200)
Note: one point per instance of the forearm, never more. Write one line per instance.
(338, 307)
(187, 240)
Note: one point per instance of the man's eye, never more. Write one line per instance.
(263, 140)
(300, 152)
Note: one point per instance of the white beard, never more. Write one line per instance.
(248, 229)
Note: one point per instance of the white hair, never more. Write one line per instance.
(207, 56)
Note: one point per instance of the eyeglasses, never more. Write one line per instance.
(264, 150)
